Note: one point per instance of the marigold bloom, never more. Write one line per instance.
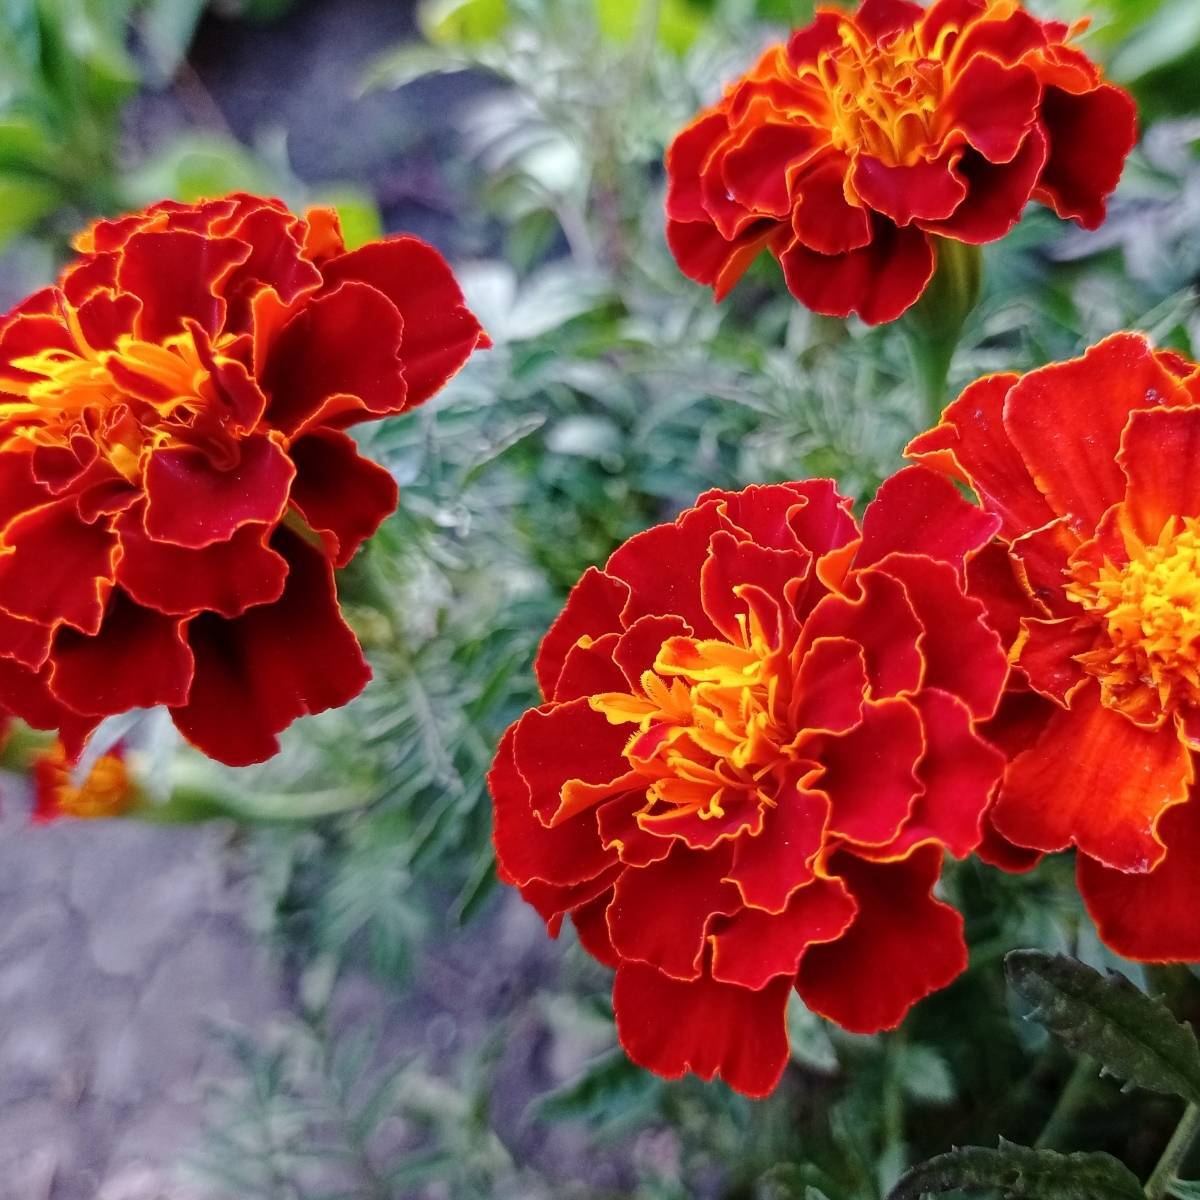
(1093, 468)
(107, 792)
(850, 149)
(756, 742)
(176, 486)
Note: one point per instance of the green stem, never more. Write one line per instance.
(1159, 1183)
(935, 323)
(1078, 1084)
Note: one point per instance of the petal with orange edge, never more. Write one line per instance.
(831, 687)
(589, 670)
(962, 654)
(1096, 780)
(927, 191)
(756, 171)
(662, 568)
(1046, 409)
(670, 1027)
(917, 511)
(870, 772)
(1048, 653)
(753, 946)
(1090, 137)
(996, 193)
(685, 159)
(768, 867)
(971, 444)
(592, 609)
(320, 369)
(731, 564)
(139, 658)
(258, 672)
(824, 219)
(660, 913)
(176, 275)
(910, 943)
(958, 773)
(881, 621)
(569, 754)
(440, 332)
(1160, 455)
(55, 567)
(877, 282)
(993, 106)
(526, 850)
(341, 495)
(226, 577)
(1152, 917)
(192, 502)
(878, 18)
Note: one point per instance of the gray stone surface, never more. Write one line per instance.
(120, 943)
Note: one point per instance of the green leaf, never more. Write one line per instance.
(1021, 1173)
(24, 201)
(610, 1091)
(1134, 1037)
(462, 22)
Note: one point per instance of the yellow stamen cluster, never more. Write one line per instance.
(882, 101)
(1149, 661)
(712, 723)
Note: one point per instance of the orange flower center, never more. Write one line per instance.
(712, 720)
(121, 397)
(882, 99)
(1150, 608)
(105, 793)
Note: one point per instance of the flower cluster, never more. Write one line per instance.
(851, 149)
(176, 483)
(1092, 468)
(757, 740)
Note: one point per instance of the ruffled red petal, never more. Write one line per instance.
(192, 501)
(225, 577)
(138, 658)
(1151, 917)
(908, 942)
(1090, 136)
(440, 332)
(754, 947)
(709, 1028)
(877, 282)
(1096, 780)
(256, 673)
(341, 495)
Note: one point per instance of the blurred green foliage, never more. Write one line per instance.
(616, 392)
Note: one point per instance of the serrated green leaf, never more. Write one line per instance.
(1021, 1173)
(1132, 1035)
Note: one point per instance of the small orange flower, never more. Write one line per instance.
(1093, 467)
(107, 791)
(849, 150)
(757, 740)
(176, 484)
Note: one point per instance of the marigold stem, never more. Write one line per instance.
(1159, 1183)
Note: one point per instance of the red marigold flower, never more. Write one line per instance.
(176, 483)
(107, 791)
(850, 149)
(1093, 469)
(757, 739)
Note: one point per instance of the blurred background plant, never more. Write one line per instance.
(525, 137)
